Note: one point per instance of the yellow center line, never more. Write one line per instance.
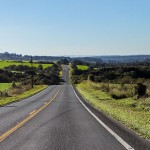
(32, 114)
(45, 103)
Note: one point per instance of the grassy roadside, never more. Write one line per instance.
(123, 110)
(36, 89)
(70, 73)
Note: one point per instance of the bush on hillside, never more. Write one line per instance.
(140, 90)
(91, 77)
(118, 96)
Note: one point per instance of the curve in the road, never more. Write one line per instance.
(32, 114)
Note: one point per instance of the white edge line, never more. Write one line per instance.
(118, 138)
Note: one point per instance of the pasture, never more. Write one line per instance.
(82, 67)
(5, 86)
(7, 63)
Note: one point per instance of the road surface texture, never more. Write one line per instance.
(53, 119)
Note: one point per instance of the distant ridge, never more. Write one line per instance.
(104, 58)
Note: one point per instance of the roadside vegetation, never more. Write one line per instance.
(16, 94)
(131, 112)
(119, 90)
(22, 79)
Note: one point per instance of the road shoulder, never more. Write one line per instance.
(127, 134)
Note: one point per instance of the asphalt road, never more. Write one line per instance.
(63, 124)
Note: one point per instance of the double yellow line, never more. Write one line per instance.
(32, 114)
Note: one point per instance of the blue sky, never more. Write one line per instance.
(75, 27)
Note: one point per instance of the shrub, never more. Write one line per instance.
(118, 96)
(17, 91)
(91, 77)
(5, 94)
(140, 90)
(74, 79)
(1, 93)
(4, 78)
(126, 80)
(105, 87)
(14, 85)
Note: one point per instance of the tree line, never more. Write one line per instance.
(21, 73)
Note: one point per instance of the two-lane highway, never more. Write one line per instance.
(64, 124)
(14, 113)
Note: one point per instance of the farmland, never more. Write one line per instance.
(82, 67)
(4, 64)
(5, 86)
(19, 79)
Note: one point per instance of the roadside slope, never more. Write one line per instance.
(94, 104)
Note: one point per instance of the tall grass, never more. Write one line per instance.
(118, 91)
(21, 94)
(134, 113)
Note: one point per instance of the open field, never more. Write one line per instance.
(5, 86)
(8, 63)
(36, 89)
(82, 67)
(134, 113)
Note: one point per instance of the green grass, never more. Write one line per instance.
(44, 65)
(135, 114)
(36, 89)
(5, 86)
(60, 74)
(8, 63)
(82, 67)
